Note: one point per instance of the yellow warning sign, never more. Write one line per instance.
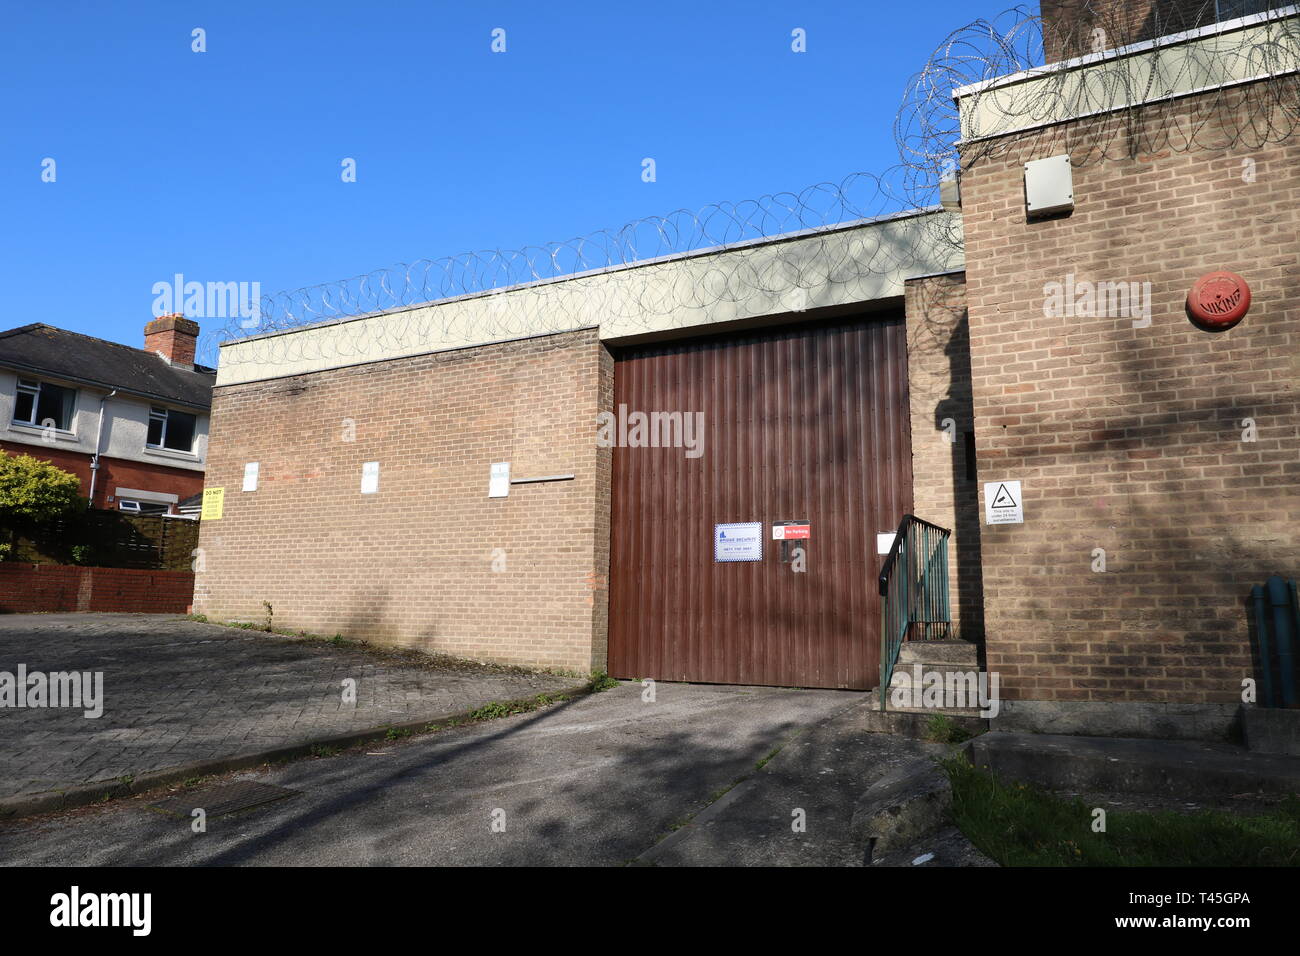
(214, 499)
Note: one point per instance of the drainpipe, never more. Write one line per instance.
(94, 462)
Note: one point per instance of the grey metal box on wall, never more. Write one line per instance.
(1049, 186)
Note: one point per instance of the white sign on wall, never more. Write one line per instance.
(250, 476)
(370, 478)
(1002, 503)
(738, 542)
(499, 480)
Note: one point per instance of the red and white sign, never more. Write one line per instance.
(788, 532)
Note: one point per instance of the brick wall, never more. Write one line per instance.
(1130, 439)
(413, 564)
(30, 588)
(114, 473)
(599, 597)
(1070, 26)
(942, 421)
(173, 337)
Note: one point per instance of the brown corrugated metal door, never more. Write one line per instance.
(803, 423)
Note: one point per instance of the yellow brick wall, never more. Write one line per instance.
(942, 418)
(1131, 439)
(413, 564)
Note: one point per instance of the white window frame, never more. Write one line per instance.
(139, 504)
(164, 414)
(27, 387)
(32, 387)
(139, 496)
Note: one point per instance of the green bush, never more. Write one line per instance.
(32, 491)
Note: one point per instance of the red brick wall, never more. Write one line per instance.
(173, 337)
(114, 473)
(29, 588)
(1069, 26)
(1131, 439)
(413, 564)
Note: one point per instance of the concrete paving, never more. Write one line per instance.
(178, 691)
(595, 780)
(814, 784)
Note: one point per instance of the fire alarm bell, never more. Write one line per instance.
(1218, 300)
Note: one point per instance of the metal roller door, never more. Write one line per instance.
(807, 423)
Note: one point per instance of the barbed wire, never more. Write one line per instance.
(1201, 101)
(718, 225)
(439, 301)
(1239, 90)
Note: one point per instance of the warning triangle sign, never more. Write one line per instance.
(1003, 498)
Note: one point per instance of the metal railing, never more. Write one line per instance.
(914, 601)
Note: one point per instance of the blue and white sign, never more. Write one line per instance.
(738, 542)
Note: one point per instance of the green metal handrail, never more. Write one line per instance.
(913, 592)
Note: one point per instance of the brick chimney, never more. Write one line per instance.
(173, 337)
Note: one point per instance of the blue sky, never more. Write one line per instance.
(225, 165)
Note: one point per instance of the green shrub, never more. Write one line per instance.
(33, 491)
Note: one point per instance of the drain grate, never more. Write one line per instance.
(224, 800)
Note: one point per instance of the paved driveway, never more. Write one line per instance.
(595, 780)
(177, 691)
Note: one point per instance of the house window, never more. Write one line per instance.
(141, 507)
(171, 429)
(42, 404)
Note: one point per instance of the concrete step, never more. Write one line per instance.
(905, 819)
(906, 672)
(939, 652)
(905, 805)
(916, 725)
(1271, 730)
(882, 725)
(927, 711)
(1184, 768)
(916, 707)
(908, 676)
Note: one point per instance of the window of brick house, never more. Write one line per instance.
(171, 429)
(141, 507)
(42, 404)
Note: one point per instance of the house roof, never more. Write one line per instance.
(40, 348)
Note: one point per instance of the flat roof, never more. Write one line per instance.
(603, 270)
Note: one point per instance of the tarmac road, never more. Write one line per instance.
(597, 780)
